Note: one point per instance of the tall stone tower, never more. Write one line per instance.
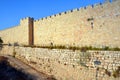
(31, 31)
(28, 25)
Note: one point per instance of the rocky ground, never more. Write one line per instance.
(7, 72)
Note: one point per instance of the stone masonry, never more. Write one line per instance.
(66, 64)
(96, 25)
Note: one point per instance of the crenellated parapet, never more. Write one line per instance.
(26, 18)
(25, 21)
(89, 7)
(69, 27)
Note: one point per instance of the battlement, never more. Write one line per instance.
(98, 5)
(69, 27)
(26, 20)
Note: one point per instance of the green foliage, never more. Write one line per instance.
(90, 19)
(106, 48)
(1, 41)
(116, 49)
(59, 47)
(14, 52)
(82, 49)
(1, 45)
(116, 73)
(73, 48)
(107, 72)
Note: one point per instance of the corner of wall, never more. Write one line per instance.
(25, 21)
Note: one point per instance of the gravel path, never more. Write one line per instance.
(34, 75)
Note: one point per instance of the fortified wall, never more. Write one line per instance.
(18, 34)
(96, 25)
(66, 64)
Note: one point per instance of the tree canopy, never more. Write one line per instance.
(1, 41)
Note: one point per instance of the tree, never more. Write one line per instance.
(1, 41)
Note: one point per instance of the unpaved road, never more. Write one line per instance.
(27, 69)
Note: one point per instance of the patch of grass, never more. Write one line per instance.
(82, 49)
(107, 72)
(116, 49)
(116, 73)
(73, 48)
(59, 47)
(14, 52)
(90, 19)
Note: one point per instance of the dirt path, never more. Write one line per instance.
(27, 69)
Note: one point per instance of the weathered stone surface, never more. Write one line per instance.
(66, 63)
(98, 27)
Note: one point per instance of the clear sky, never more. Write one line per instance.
(11, 11)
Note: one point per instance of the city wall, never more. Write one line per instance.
(66, 64)
(17, 34)
(96, 25)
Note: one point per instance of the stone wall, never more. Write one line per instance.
(17, 34)
(96, 25)
(68, 64)
(91, 26)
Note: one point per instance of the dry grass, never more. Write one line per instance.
(116, 73)
(83, 49)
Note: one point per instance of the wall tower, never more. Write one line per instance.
(28, 23)
(31, 31)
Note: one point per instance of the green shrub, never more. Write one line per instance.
(90, 19)
(14, 52)
(1, 41)
(106, 48)
(1, 45)
(82, 49)
(116, 49)
(107, 72)
(59, 47)
(73, 48)
(116, 73)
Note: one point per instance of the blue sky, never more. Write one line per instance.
(11, 11)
